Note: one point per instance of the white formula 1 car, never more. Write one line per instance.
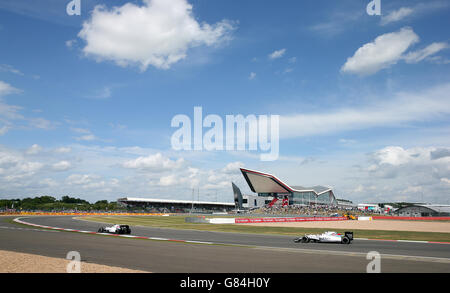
(328, 236)
(116, 229)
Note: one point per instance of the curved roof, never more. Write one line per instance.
(260, 182)
(434, 207)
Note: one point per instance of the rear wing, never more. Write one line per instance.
(349, 235)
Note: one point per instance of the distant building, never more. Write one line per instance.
(424, 210)
(345, 203)
(369, 207)
(172, 205)
(270, 189)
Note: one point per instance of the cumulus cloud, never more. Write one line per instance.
(440, 153)
(88, 181)
(395, 173)
(383, 52)
(13, 166)
(62, 166)
(7, 89)
(34, 149)
(394, 161)
(154, 162)
(277, 54)
(157, 33)
(233, 167)
(168, 180)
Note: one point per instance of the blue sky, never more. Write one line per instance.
(86, 102)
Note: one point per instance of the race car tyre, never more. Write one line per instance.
(305, 240)
(100, 230)
(345, 240)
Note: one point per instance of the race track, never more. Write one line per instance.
(243, 252)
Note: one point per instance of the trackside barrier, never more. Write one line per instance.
(80, 214)
(411, 218)
(284, 220)
(222, 221)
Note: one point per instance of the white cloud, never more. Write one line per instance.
(62, 166)
(12, 118)
(41, 123)
(419, 55)
(233, 167)
(104, 93)
(34, 149)
(157, 33)
(383, 52)
(277, 54)
(400, 108)
(7, 89)
(393, 155)
(168, 180)
(11, 69)
(252, 75)
(396, 15)
(155, 162)
(70, 43)
(4, 130)
(420, 9)
(63, 150)
(14, 167)
(87, 137)
(48, 182)
(88, 181)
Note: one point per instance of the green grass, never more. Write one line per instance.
(178, 222)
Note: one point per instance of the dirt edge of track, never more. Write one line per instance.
(17, 262)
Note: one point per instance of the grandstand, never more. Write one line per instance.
(271, 190)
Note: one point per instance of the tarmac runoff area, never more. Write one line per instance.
(387, 225)
(242, 252)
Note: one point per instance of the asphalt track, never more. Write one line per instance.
(243, 252)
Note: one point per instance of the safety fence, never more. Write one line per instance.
(284, 220)
(411, 218)
(79, 214)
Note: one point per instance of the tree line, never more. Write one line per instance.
(49, 203)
